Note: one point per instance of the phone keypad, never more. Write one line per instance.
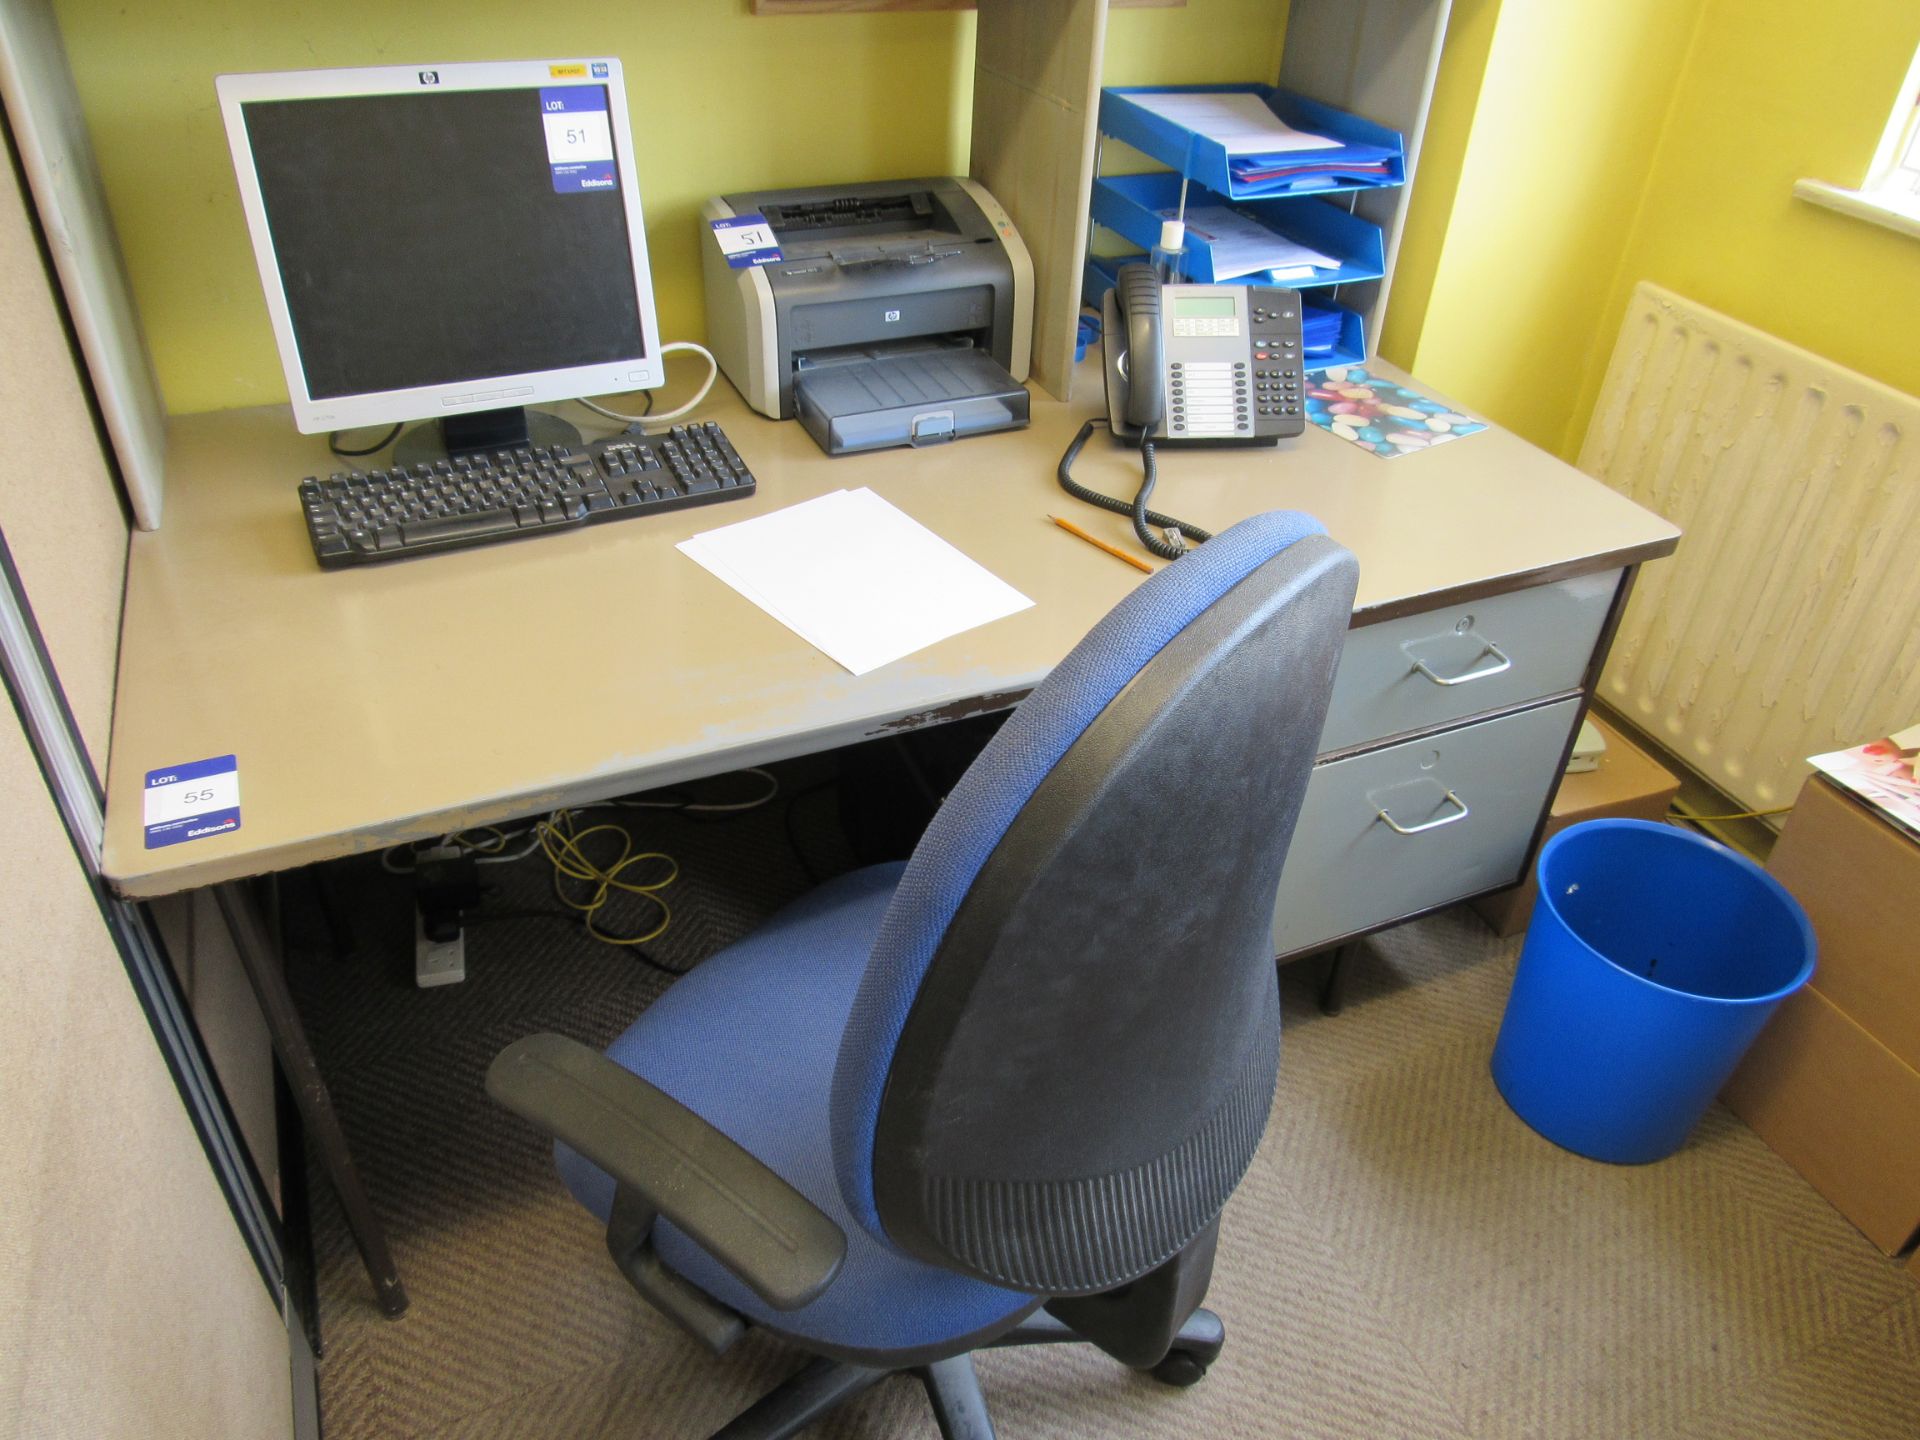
(1278, 363)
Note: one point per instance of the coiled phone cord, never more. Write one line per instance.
(1178, 531)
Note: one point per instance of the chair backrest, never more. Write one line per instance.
(1064, 1046)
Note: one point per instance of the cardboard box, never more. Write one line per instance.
(1857, 875)
(1833, 1083)
(1629, 785)
(1840, 1108)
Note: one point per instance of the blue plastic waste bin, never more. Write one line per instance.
(1653, 960)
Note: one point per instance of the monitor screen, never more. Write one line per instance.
(438, 241)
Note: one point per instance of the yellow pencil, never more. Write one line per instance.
(1113, 550)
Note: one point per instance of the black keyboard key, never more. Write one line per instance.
(478, 525)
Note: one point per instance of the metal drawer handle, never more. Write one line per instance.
(1505, 664)
(1400, 829)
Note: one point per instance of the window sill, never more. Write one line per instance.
(1865, 205)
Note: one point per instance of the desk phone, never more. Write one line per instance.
(1202, 364)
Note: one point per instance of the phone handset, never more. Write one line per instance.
(1139, 291)
(1135, 355)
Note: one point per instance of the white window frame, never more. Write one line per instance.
(1891, 194)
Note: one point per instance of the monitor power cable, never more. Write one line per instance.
(1177, 532)
(333, 444)
(666, 417)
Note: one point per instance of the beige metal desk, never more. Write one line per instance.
(374, 706)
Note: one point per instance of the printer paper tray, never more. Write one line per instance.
(917, 398)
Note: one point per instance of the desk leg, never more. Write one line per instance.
(310, 1095)
(1333, 988)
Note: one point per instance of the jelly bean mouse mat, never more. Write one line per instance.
(1380, 416)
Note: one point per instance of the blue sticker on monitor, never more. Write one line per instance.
(746, 240)
(579, 138)
(186, 802)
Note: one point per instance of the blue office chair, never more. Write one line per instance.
(998, 1094)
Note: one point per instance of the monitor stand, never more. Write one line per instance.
(488, 430)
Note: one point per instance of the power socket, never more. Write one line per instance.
(437, 962)
(445, 886)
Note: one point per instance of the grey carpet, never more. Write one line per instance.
(1405, 1258)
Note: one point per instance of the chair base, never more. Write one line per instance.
(953, 1389)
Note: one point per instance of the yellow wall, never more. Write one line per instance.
(1775, 90)
(1436, 183)
(1613, 141)
(721, 100)
(1576, 146)
(1570, 109)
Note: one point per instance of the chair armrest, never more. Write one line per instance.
(781, 1245)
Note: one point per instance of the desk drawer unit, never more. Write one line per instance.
(1389, 832)
(1438, 667)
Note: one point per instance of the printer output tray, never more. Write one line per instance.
(916, 398)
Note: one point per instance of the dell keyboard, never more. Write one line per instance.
(359, 518)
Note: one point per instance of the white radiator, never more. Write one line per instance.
(1789, 621)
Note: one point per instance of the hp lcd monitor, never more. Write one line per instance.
(449, 243)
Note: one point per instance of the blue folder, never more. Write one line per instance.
(1320, 329)
(1367, 156)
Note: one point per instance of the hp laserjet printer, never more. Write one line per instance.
(891, 313)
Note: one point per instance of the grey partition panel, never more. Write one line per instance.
(1471, 795)
(59, 508)
(44, 110)
(133, 1304)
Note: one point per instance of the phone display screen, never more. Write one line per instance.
(1203, 307)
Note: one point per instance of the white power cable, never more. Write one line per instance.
(497, 852)
(664, 417)
(767, 797)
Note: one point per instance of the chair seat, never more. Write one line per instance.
(748, 1041)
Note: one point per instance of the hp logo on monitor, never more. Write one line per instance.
(429, 77)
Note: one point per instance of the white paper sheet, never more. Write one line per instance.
(855, 577)
(1246, 247)
(1239, 121)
